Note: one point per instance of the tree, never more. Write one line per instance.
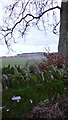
(20, 15)
(63, 38)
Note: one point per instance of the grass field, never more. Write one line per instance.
(14, 61)
(0, 62)
(19, 61)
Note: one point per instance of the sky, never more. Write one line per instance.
(35, 40)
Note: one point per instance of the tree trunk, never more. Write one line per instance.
(63, 38)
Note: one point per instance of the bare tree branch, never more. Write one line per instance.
(54, 29)
(34, 17)
(28, 12)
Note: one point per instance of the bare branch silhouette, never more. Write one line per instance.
(21, 14)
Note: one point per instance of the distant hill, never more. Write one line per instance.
(33, 54)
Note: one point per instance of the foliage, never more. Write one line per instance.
(33, 82)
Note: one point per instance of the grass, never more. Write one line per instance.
(27, 94)
(37, 93)
(18, 61)
(14, 61)
(0, 63)
(36, 89)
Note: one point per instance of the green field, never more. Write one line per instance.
(18, 61)
(0, 62)
(14, 61)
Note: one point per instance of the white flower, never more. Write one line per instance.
(17, 98)
(7, 110)
(31, 101)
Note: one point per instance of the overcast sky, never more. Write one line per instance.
(35, 41)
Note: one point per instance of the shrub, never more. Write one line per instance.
(47, 80)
